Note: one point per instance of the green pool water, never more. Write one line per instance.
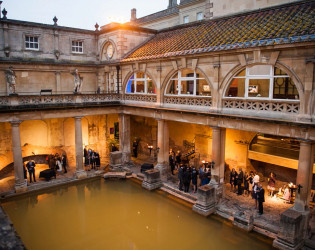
(99, 214)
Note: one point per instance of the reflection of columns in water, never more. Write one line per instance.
(81, 207)
(80, 173)
(124, 137)
(163, 145)
(218, 151)
(20, 185)
(304, 176)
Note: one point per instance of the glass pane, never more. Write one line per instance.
(36, 45)
(187, 73)
(258, 88)
(259, 70)
(284, 88)
(242, 73)
(130, 87)
(237, 88)
(140, 75)
(36, 39)
(151, 87)
(279, 72)
(140, 87)
(203, 88)
(187, 87)
(172, 87)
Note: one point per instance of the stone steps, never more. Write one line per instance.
(179, 194)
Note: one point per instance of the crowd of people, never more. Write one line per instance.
(91, 159)
(57, 162)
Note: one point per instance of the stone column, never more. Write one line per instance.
(20, 185)
(163, 148)
(124, 137)
(80, 173)
(218, 153)
(305, 170)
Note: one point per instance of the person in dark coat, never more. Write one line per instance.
(178, 158)
(97, 160)
(180, 177)
(135, 148)
(187, 179)
(194, 177)
(172, 162)
(25, 173)
(240, 182)
(232, 179)
(235, 181)
(246, 184)
(64, 163)
(31, 170)
(86, 156)
(261, 199)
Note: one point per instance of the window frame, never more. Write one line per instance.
(29, 42)
(179, 79)
(249, 77)
(198, 15)
(77, 46)
(186, 19)
(135, 79)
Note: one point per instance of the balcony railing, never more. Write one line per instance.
(278, 106)
(140, 97)
(204, 101)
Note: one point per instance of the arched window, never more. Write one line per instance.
(188, 82)
(262, 81)
(140, 83)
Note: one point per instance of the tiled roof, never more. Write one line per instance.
(282, 25)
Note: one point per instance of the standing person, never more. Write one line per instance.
(232, 179)
(90, 159)
(261, 199)
(208, 173)
(97, 160)
(235, 181)
(180, 177)
(271, 184)
(86, 156)
(93, 162)
(194, 177)
(250, 180)
(25, 173)
(58, 163)
(64, 163)
(178, 158)
(31, 170)
(187, 179)
(135, 148)
(240, 182)
(201, 175)
(172, 162)
(246, 183)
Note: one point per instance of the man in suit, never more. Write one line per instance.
(239, 182)
(261, 199)
(31, 170)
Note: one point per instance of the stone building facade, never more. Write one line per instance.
(221, 84)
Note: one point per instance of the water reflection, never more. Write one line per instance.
(102, 214)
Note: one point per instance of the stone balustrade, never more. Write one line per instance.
(141, 97)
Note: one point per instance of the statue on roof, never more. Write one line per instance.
(10, 78)
(77, 81)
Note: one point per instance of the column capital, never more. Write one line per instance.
(15, 123)
(306, 142)
(78, 117)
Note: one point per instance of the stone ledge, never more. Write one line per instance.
(115, 175)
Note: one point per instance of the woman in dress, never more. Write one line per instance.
(246, 184)
(271, 184)
(232, 178)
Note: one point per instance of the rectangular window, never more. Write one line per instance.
(186, 19)
(199, 16)
(31, 43)
(77, 47)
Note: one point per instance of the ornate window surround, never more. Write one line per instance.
(248, 77)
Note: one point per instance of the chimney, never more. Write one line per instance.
(133, 15)
(172, 3)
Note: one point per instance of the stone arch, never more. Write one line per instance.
(173, 71)
(227, 79)
(34, 132)
(104, 45)
(69, 131)
(130, 73)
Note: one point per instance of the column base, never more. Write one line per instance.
(205, 204)
(152, 179)
(163, 168)
(20, 188)
(81, 174)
